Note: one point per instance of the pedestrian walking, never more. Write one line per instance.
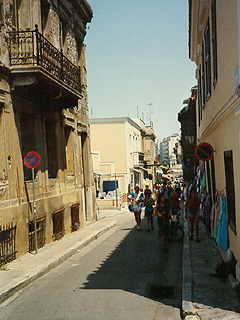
(137, 197)
(162, 211)
(166, 189)
(192, 213)
(146, 188)
(174, 201)
(149, 203)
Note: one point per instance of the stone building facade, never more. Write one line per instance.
(44, 108)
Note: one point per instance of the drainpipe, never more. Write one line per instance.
(237, 72)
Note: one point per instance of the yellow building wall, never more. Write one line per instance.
(220, 124)
(109, 139)
(227, 56)
(119, 142)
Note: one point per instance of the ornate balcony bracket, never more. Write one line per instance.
(24, 80)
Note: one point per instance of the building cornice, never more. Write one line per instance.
(226, 109)
(114, 120)
(198, 15)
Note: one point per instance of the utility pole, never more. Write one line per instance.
(116, 189)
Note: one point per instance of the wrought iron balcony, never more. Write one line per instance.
(32, 49)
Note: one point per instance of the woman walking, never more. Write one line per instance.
(148, 203)
(162, 211)
(137, 198)
(192, 213)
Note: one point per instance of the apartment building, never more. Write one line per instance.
(43, 108)
(170, 150)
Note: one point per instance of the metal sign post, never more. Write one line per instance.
(35, 214)
(32, 160)
(116, 190)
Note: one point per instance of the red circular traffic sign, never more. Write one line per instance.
(32, 159)
(204, 151)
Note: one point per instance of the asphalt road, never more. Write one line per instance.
(125, 274)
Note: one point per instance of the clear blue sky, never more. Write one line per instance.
(137, 53)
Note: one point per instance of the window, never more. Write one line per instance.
(69, 142)
(58, 224)
(203, 79)
(63, 32)
(207, 61)
(41, 227)
(27, 124)
(7, 243)
(1, 13)
(199, 97)
(208, 70)
(45, 7)
(75, 222)
(51, 139)
(229, 174)
(214, 42)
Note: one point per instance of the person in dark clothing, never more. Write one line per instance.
(148, 203)
(162, 211)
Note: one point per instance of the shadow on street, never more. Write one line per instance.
(138, 264)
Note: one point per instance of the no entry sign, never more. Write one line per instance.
(32, 159)
(204, 151)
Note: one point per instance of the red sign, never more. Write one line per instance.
(204, 151)
(32, 159)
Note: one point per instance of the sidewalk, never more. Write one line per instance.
(31, 266)
(204, 296)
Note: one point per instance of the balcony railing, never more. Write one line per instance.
(31, 48)
(138, 158)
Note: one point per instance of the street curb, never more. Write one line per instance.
(187, 306)
(20, 283)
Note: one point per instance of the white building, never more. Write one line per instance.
(169, 150)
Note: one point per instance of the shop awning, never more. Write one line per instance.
(101, 173)
(136, 170)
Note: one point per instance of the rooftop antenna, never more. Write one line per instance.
(137, 112)
(150, 113)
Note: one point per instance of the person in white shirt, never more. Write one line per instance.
(137, 197)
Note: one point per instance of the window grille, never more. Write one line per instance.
(75, 222)
(7, 243)
(41, 229)
(58, 224)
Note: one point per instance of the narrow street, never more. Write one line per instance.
(125, 274)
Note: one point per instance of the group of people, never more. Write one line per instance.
(164, 203)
